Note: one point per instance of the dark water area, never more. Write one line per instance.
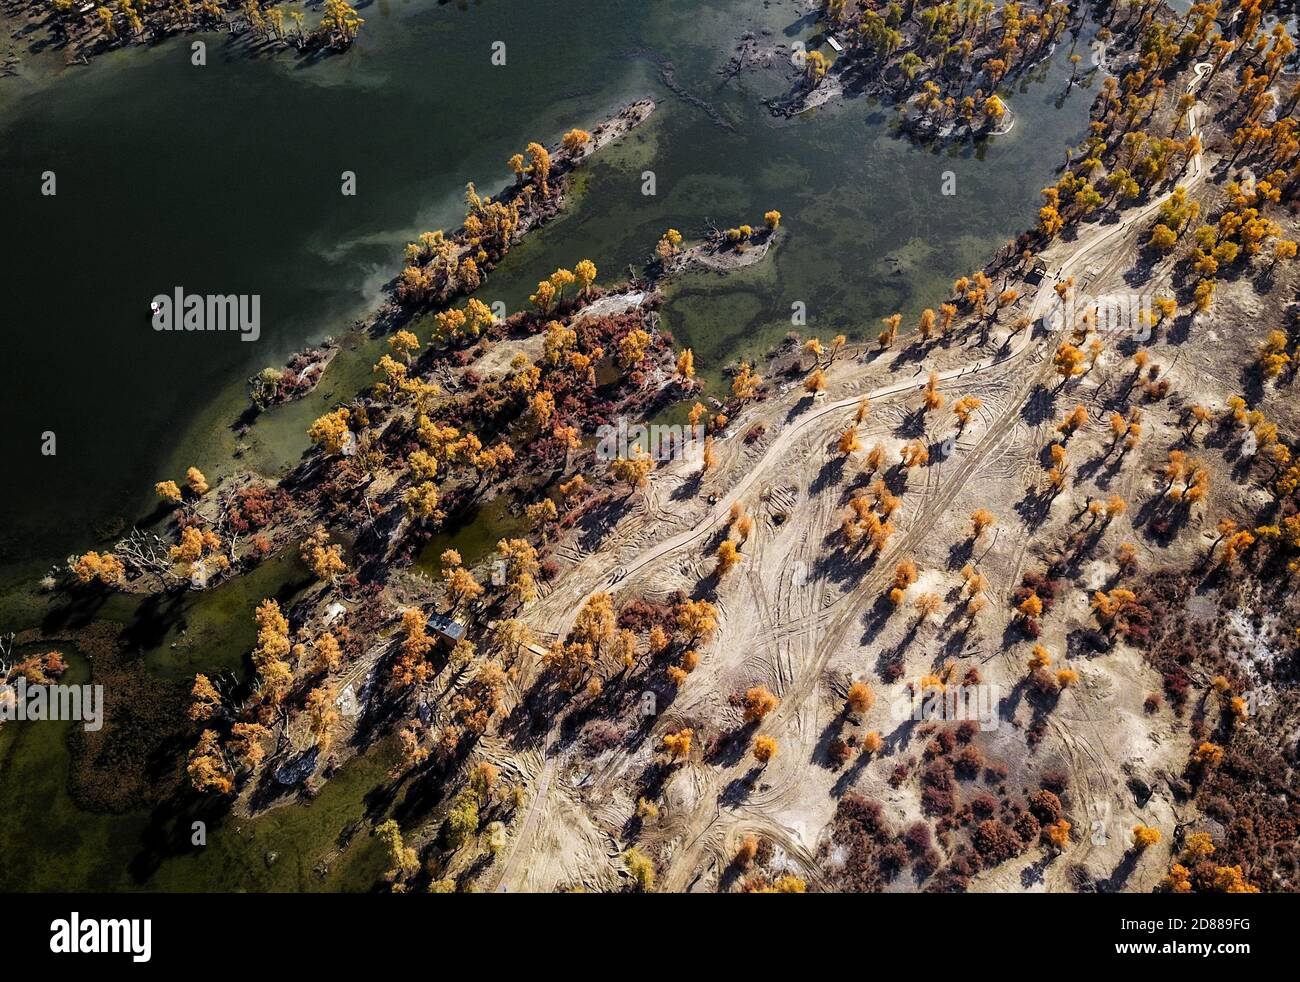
(226, 179)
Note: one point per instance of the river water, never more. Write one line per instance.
(226, 179)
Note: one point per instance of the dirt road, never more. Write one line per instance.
(1090, 241)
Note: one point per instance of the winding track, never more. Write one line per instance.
(1093, 238)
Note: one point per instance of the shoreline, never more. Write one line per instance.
(391, 315)
(81, 39)
(219, 430)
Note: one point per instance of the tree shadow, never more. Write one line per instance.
(1120, 875)
(830, 473)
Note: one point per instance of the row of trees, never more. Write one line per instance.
(124, 21)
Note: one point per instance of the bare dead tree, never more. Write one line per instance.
(145, 552)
